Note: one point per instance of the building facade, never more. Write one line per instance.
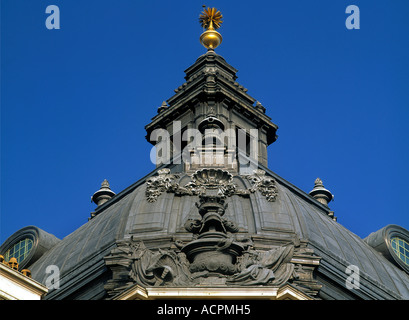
(213, 220)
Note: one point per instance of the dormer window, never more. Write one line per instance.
(401, 249)
(20, 250)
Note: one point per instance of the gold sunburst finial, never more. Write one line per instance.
(210, 19)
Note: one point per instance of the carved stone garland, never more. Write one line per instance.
(213, 179)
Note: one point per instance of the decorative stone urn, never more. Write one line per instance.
(213, 250)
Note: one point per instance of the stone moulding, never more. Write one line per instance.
(221, 181)
(286, 292)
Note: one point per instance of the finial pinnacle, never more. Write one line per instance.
(163, 107)
(318, 182)
(103, 194)
(320, 193)
(210, 19)
(105, 184)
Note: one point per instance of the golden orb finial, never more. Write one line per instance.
(210, 19)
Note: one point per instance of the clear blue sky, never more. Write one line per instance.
(74, 101)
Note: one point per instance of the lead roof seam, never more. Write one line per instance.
(335, 237)
(114, 215)
(296, 212)
(301, 226)
(133, 209)
(368, 274)
(322, 218)
(67, 256)
(44, 260)
(91, 234)
(315, 223)
(376, 254)
(126, 210)
(370, 261)
(86, 225)
(61, 248)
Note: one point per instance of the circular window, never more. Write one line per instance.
(392, 242)
(20, 250)
(401, 249)
(27, 245)
(21, 245)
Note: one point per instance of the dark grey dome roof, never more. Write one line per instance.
(340, 247)
(293, 214)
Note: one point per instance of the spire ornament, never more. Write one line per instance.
(210, 19)
(102, 195)
(320, 193)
